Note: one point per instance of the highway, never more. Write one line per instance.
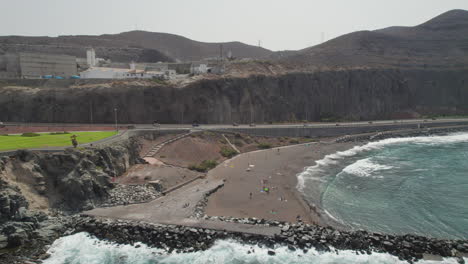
(275, 125)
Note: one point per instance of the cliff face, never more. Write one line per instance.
(352, 94)
(72, 181)
(31, 183)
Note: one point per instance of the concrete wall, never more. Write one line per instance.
(35, 65)
(9, 66)
(333, 130)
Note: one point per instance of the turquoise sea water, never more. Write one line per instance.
(409, 185)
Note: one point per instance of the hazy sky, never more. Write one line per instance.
(278, 24)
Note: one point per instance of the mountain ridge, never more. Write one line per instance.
(170, 46)
(439, 42)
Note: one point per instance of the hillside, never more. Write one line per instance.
(185, 49)
(118, 51)
(439, 42)
(140, 46)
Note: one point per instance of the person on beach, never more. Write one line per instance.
(74, 141)
(250, 196)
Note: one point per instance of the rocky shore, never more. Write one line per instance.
(39, 191)
(409, 133)
(131, 194)
(298, 236)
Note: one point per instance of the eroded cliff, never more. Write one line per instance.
(33, 186)
(346, 94)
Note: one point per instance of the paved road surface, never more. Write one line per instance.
(221, 126)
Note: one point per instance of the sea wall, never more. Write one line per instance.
(334, 130)
(331, 95)
(298, 236)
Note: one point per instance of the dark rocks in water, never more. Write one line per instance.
(412, 133)
(300, 236)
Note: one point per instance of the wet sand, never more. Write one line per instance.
(273, 169)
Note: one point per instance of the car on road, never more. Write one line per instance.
(252, 124)
(195, 124)
(235, 124)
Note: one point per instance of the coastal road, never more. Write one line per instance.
(279, 125)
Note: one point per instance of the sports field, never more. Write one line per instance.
(12, 142)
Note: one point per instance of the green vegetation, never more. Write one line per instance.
(248, 140)
(329, 117)
(205, 166)
(223, 141)
(238, 143)
(159, 81)
(59, 133)
(263, 146)
(29, 134)
(227, 152)
(294, 141)
(47, 140)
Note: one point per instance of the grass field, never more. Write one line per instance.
(12, 142)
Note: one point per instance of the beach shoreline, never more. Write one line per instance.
(247, 175)
(280, 167)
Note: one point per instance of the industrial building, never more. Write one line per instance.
(129, 73)
(36, 65)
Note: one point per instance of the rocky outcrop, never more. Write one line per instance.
(75, 179)
(31, 183)
(328, 95)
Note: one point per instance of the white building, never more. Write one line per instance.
(91, 57)
(116, 73)
(199, 68)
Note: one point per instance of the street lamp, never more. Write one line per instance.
(115, 117)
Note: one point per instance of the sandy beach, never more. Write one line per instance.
(275, 169)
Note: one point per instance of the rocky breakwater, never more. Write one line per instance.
(295, 236)
(423, 132)
(38, 190)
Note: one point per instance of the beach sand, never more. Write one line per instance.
(274, 169)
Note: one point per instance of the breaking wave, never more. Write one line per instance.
(411, 185)
(365, 168)
(82, 248)
(315, 172)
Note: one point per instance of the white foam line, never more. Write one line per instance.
(336, 157)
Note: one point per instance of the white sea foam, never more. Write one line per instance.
(335, 158)
(84, 249)
(365, 168)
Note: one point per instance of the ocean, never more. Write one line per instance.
(415, 185)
